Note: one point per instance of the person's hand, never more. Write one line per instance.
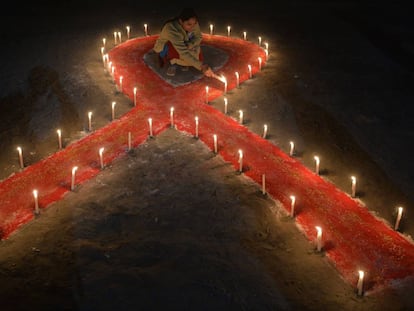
(207, 70)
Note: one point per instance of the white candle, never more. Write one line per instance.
(150, 126)
(244, 35)
(397, 222)
(172, 116)
(225, 105)
(19, 150)
(249, 67)
(196, 127)
(59, 134)
(113, 110)
(206, 94)
(146, 29)
(292, 205)
(128, 31)
(104, 41)
(241, 116)
(264, 131)
(113, 73)
(115, 37)
(228, 31)
(259, 59)
(353, 186)
(318, 238)
(215, 142)
(120, 83)
(223, 78)
(120, 36)
(103, 52)
(36, 200)
(72, 185)
(292, 148)
(360, 284)
(266, 45)
(90, 121)
(105, 59)
(267, 53)
(135, 96)
(129, 140)
(237, 79)
(259, 39)
(211, 29)
(240, 160)
(263, 184)
(101, 150)
(317, 162)
(109, 65)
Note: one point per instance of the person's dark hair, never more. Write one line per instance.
(184, 15)
(187, 13)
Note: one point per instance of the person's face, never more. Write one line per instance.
(189, 24)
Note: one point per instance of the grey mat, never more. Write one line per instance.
(215, 57)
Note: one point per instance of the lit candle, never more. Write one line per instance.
(146, 29)
(115, 37)
(353, 186)
(223, 78)
(211, 29)
(172, 116)
(90, 121)
(135, 96)
(263, 184)
(397, 222)
(228, 31)
(318, 238)
(266, 45)
(244, 35)
(109, 65)
(150, 126)
(105, 59)
(249, 67)
(196, 127)
(240, 160)
(19, 150)
(101, 150)
(113, 110)
(103, 52)
(215, 142)
(360, 284)
(292, 148)
(128, 31)
(59, 134)
(259, 59)
(120, 36)
(264, 130)
(237, 79)
(292, 205)
(120, 83)
(129, 140)
(36, 200)
(267, 54)
(241, 116)
(259, 40)
(317, 161)
(104, 41)
(72, 185)
(225, 105)
(113, 73)
(206, 94)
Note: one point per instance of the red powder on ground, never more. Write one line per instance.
(353, 238)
